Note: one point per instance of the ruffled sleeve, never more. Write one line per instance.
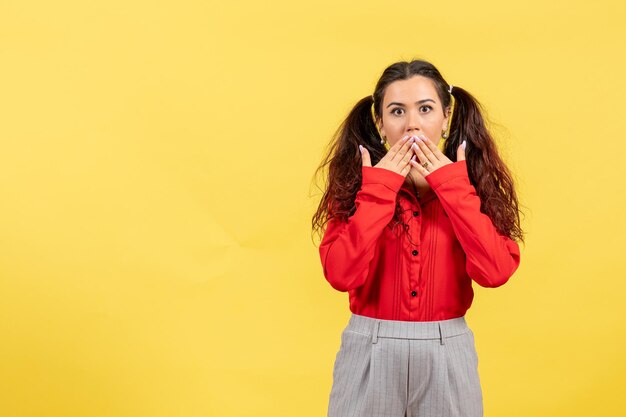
(347, 248)
(491, 258)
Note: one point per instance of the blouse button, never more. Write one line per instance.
(413, 293)
(416, 213)
(415, 252)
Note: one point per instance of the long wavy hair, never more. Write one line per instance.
(487, 172)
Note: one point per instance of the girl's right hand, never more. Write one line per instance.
(396, 159)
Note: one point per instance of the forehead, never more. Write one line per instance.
(411, 90)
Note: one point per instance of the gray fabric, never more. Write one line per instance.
(388, 368)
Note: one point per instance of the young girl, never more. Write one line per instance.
(418, 205)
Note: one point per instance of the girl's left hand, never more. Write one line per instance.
(430, 157)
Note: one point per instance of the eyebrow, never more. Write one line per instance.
(417, 102)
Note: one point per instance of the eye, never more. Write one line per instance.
(393, 111)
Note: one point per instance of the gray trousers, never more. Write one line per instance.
(389, 368)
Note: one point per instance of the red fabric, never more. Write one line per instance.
(455, 242)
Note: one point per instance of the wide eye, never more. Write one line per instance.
(393, 111)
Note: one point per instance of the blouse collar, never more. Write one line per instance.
(408, 189)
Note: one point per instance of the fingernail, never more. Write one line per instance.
(464, 144)
(360, 148)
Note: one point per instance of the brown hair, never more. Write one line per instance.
(487, 172)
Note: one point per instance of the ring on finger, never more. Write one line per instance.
(425, 163)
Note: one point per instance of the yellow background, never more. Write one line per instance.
(156, 183)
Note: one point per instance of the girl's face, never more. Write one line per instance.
(412, 107)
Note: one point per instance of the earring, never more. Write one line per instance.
(385, 143)
(442, 143)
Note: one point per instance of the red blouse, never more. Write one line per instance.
(426, 273)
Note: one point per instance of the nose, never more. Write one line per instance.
(412, 125)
